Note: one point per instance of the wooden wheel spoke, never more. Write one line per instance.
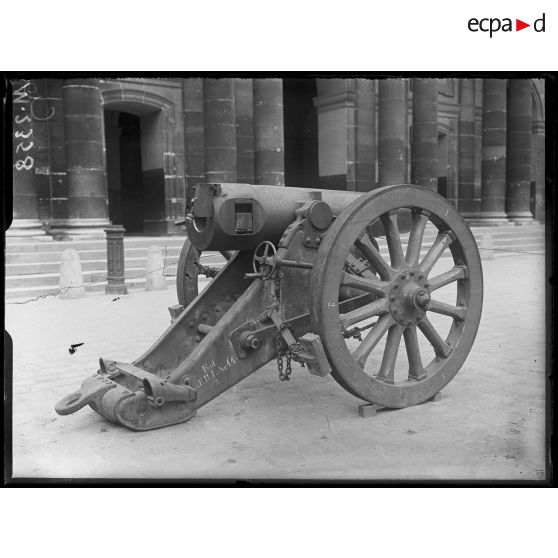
(386, 372)
(366, 284)
(375, 258)
(443, 240)
(446, 278)
(360, 354)
(416, 370)
(441, 348)
(370, 236)
(455, 312)
(418, 224)
(375, 308)
(393, 239)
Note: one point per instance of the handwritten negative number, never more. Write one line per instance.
(25, 164)
(20, 145)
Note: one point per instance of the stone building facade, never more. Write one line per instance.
(91, 152)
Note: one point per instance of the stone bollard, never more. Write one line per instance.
(155, 278)
(115, 261)
(486, 247)
(71, 278)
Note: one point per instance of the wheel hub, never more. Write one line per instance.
(409, 297)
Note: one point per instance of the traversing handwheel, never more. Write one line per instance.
(427, 293)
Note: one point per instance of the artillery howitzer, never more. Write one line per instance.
(306, 281)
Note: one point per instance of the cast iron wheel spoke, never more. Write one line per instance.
(455, 312)
(386, 372)
(360, 354)
(393, 239)
(441, 348)
(266, 252)
(443, 240)
(367, 284)
(446, 278)
(375, 308)
(416, 370)
(375, 258)
(418, 224)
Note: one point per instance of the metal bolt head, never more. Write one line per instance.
(411, 273)
(218, 309)
(420, 276)
(427, 285)
(392, 298)
(422, 299)
(396, 286)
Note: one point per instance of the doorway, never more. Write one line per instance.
(135, 177)
(301, 133)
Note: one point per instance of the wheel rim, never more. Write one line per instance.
(405, 291)
(187, 271)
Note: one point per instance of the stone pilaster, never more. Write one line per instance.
(518, 179)
(244, 105)
(26, 159)
(87, 206)
(424, 145)
(466, 203)
(392, 131)
(365, 148)
(269, 143)
(335, 105)
(219, 130)
(194, 146)
(538, 158)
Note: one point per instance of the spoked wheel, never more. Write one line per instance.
(431, 303)
(189, 266)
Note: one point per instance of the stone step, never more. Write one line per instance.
(79, 245)
(86, 255)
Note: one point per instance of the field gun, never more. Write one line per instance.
(336, 281)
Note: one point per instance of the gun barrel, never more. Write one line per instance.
(239, 216)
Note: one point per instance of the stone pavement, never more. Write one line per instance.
(489, 424)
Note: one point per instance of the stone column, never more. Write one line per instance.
(392, 131)
(518, 186)
(25, 160)
(424, 146)
(219, 122)
(493, 165)
(269, 144)
(85, 159)
(466, 203)
(244, 104)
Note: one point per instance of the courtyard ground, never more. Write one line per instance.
(489, 423)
